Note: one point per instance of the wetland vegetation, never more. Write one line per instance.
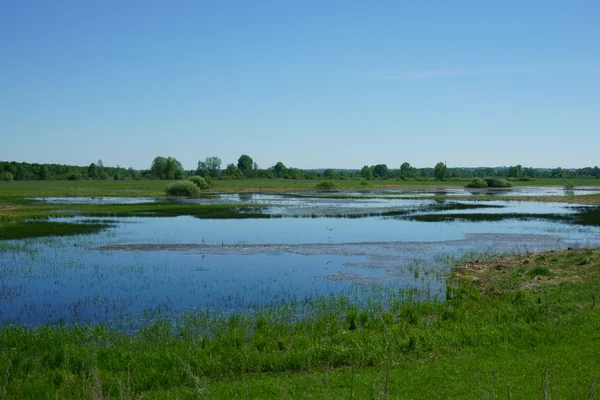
(356, 293)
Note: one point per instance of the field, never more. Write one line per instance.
(150, 188)
(499, 326)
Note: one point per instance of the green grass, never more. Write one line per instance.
(153, 188)
(500, 333)
(38, 228)
(32, 220)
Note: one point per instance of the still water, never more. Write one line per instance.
(140, 268)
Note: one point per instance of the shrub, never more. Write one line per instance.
(200, 182)
(497, 182)
(73, 177)
(325, 185)
(182, 188)
(477, 183)
(364, 182)
(7, 176)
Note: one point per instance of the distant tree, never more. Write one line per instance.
(210, 167)
(101, 171)
(158, 167)
(44, 174)
(7, 176)
(366, 172)
(514, 171)
(133, 174)
(174, 169)
(92, 171)
(167, 168)
(380, 171)
(439, 171)
(295, 173)
(233, 172)
(329, 173)
(279, 170)
(405, 170)
(245, 164)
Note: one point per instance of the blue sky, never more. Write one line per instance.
(311, 83)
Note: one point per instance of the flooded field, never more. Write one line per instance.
(305, 246)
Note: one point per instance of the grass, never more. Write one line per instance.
(37, 228)
(482, 217)
(501, 332)
(31, 220)
(154, 188)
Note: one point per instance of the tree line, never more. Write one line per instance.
(211, 168)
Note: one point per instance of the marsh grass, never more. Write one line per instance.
(39, 228)
(481, 217)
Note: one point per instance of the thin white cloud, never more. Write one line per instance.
(493, 70)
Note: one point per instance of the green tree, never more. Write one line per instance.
(245, 164)
(366, 172)
(439, 171)
(92, 171)
(405, 170)
(514, 171)
(329, 173)
(167, 168)
(158, 167)
(233, 172)
(101, 172)
(7, 176)
(380, 171)
(211, 167)
(44, 174)
(280, 170)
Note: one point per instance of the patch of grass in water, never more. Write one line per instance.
(461, 206)
(588, 216)
(211, 211)
(47, 228)
(480, 217)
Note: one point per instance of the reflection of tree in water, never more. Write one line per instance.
(245, 197)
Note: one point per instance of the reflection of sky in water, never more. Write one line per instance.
(67, 280)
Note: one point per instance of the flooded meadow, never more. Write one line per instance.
(292, 248)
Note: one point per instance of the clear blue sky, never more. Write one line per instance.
(311, 83)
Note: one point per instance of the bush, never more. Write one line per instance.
(182, 188)
(364, 182)
(477, 183)
(73, 177)
(497, 182)
(7, 176)
(325, 185)
(200, 182)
